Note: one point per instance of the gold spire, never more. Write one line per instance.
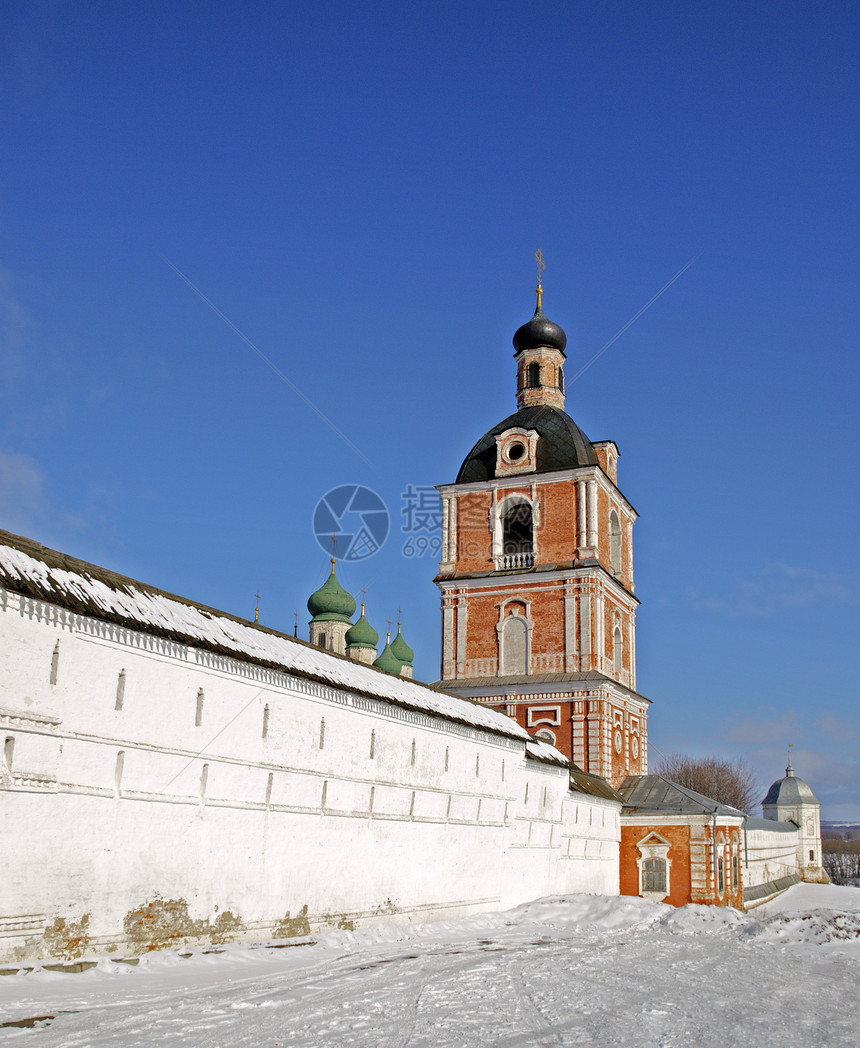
(333, 541)
(257, 609)
(540, 268)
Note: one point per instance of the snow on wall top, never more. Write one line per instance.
(544, 752)
(31, 569)
(771, 826)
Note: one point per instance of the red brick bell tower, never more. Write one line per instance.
(536, 575)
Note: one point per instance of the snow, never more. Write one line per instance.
(149, 609)
(579, 970)
(543, 751)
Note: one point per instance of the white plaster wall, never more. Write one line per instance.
(442, 819)
(770, 855)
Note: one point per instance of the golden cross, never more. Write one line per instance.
(540, 267)
(257, 609)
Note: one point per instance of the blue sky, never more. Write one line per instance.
(359, 190)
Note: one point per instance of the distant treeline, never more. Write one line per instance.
(845, 833)
(841, 858)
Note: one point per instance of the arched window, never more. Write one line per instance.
(617, 650)
(514, 522)
(517, 529)
(561, 380)
(532, 375)
(654, 875)
(614, 544)
(514, 645)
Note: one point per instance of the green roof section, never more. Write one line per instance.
(388, 661)
(331, 602)
(362, 634)
(401, 649)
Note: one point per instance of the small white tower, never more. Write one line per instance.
(791, 800)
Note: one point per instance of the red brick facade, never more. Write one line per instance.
(686, 846)
(536, 581)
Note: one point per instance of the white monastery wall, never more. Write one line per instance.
(770, 857)
(156, 792)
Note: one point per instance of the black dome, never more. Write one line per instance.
(561, 444)
(539, 331)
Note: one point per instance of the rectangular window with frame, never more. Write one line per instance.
(654, 875)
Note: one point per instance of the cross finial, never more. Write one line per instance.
(540, 268)
(333, 558)
(257, 608)
(296, 627)
(364, 591)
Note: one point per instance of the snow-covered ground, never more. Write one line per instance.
(580, 970)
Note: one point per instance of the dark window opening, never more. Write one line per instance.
(532, 375)
(516, 451)
(560, 380)
(517, 533)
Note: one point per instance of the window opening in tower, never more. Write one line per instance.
(517, 531)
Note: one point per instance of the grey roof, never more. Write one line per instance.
(561, 444)
(771, 825)
(583, 782)
(790, 790)
(646, 793)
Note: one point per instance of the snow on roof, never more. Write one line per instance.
(539, 750)
(770, 826)
(86, 589)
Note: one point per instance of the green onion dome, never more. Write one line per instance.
(362, 634)
(401, 649)
(331, 602)
(388, 661)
